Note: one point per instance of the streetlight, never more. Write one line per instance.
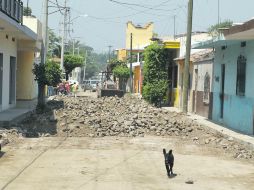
(83, 15)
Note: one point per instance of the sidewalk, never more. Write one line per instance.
(14, 115)
(245, 139)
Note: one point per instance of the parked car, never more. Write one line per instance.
(93, 84)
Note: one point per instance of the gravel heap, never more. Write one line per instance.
(124, 117)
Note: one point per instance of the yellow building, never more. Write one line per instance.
(121, 54)
(141, 36)
(28, 54)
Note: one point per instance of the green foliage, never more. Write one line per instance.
(121, 71)
(71, 62)
(53, 73)
(114, 63)
(27, 11)
(48, 74)
(153, 92)
(39, 72)
(95, 62)
(54, 49)
(155, 73)
(214, 29)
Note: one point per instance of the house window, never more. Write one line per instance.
(241, 76)
(206, 94)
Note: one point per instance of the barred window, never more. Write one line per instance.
(206, 95)
(241, 76)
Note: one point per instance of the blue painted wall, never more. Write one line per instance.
(238, 110)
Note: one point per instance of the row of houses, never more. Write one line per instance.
(220, 73)
(20, 45)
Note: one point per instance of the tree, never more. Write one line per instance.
(95, 62)
(114, 63)
(122, 72)
(53, 73)
(155, 83)
(54, 49)
(71, 62)
(27, 11)
(214, 29)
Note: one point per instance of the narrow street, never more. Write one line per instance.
(118, 163)
(84, 157)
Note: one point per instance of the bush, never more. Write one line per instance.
(155, 74)
(39, 72)
(47, 74)
(53, 73)
(154, 92)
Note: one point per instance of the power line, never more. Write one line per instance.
(59, 7)
(137, 12)
(142, 6)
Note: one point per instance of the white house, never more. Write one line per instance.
(18, 45)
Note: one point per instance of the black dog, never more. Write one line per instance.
(169, 161)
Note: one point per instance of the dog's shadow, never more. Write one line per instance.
(2, 154)
(172, 176)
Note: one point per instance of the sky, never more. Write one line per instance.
(105, 23)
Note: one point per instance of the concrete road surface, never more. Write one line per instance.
(118, 164)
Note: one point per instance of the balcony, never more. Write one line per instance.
(13, 9)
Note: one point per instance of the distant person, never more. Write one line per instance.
(60, 88)
(75, 89)
(50, 91)
(67, 88)
(104, 84)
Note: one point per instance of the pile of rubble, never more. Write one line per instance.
(121, 117)
(125, 117)
(10, 135)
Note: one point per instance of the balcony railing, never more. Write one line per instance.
(13, 9)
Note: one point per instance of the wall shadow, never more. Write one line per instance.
(42, 122)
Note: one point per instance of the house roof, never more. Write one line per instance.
(244, 31)
(230, 36)
(199, 56)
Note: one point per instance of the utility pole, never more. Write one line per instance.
(73, 46)
(174, 27)
(187, 58)
(65, 23)
(218, 11)
(84, 77)
(131, 82)
(41, 87)
(45, 32)
(109, 54)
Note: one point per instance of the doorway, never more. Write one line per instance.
(195, 92)
(222, 90)
(12, 84)
(1, 78)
